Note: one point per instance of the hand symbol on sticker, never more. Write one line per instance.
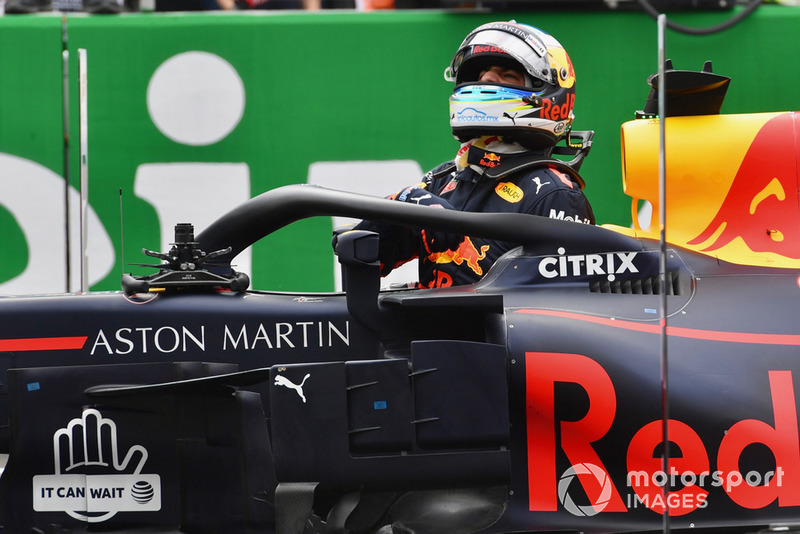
(92, 441)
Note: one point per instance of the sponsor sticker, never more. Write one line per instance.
(509, 192)
(119, 485)
(586, 488)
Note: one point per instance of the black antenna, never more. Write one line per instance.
(121, 232)
(65, 128)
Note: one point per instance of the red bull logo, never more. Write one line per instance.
(490, 159)
(487, 49)
(732, 184)
(466, 253)
(761, 207)
(558, 112)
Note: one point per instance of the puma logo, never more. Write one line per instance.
(281, 380)
(423, 197)
(513, 121)
(539, 184)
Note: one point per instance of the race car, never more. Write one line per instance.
(596, 379)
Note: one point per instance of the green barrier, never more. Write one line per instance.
(190, 114)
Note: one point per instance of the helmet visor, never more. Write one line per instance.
(523, 46)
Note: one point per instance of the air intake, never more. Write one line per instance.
(638, 286)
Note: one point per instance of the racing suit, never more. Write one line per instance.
(490, 182)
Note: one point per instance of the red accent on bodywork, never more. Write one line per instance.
(42, 343)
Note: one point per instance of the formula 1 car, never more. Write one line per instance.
(595, 380)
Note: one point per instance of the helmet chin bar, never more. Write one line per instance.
(514, 112)
(531, 139)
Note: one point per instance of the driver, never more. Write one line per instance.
(512, 102)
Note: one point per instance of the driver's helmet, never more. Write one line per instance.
(535, 115)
